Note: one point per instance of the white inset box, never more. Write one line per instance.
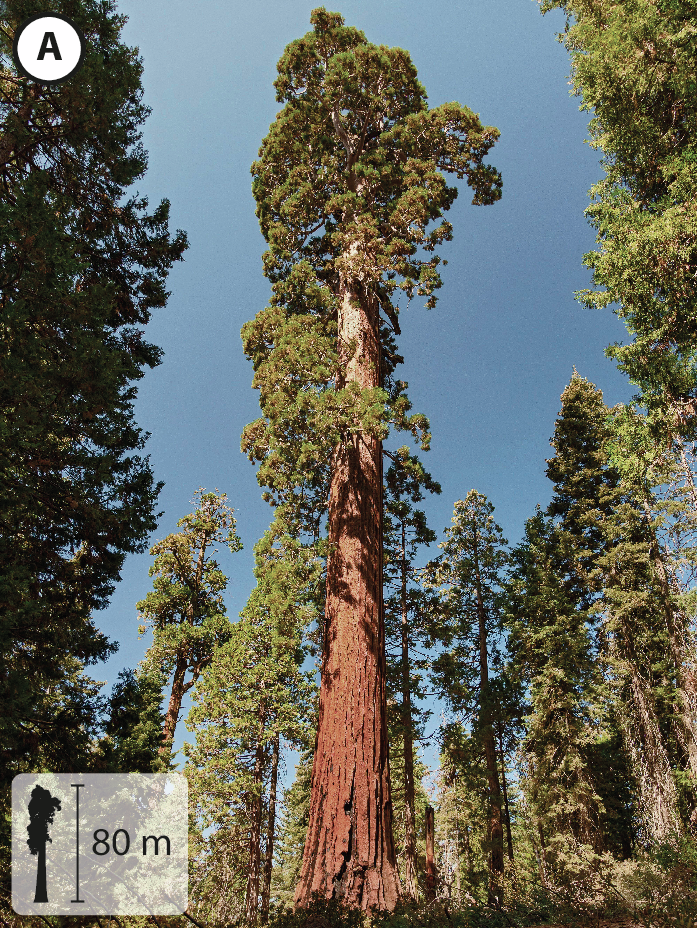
(100, 844)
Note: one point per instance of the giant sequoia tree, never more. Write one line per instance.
(347, 182)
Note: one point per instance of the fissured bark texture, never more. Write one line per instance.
(349, 850)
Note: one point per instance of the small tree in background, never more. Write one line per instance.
(185, 610)
(468, 576)
(406, 633)
(253, 697)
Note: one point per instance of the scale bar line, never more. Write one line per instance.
(77, 842)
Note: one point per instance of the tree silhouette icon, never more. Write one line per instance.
(42, 807)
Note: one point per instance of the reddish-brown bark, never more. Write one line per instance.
(349, 851)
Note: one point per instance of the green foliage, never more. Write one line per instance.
(405, 532)
(468, 575)
(633, 66)
(133, 727)
(552, 619)
(252, 691)
(348, 180)
(83, 263)
(292, 831)
(185, 611)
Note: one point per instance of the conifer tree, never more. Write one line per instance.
(612, 505)
(252, 695)
(347, 181)
(83, 262)
(606, 638)
(551, 647)
(558, 641)
(633, 67)
(406, 632)
(295, 818)
(186, 610)
(134, 723)
(469, 575)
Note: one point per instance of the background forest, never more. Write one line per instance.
(540, 681)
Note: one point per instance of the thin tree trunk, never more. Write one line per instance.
(468, 852)
(431, 874)
(175, 705)
(687, 472)
(411, 886)
(349, 850)
(509, 836)
(495, 826)
(251, 904)
(270, 830)
(458, 880)
(543, 854)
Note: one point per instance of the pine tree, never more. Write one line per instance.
(83, 262)
(468, 575)
(347, 181)
(186, 610)
(405, 531)
(591, 578)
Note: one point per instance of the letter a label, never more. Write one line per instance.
(48, 48)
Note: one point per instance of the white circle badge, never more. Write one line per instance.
(48, 48)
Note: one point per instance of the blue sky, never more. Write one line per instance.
(487, 365)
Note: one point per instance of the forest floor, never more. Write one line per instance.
(622, 921)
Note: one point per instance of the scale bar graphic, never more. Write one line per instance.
(77, 787)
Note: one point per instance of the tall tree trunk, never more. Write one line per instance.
(251, 903)
(495, 826)
(411, 886)
(270, 831)
(509, 836)
(458, 879)
(431, 874)
(659, 801)
(349, 850)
